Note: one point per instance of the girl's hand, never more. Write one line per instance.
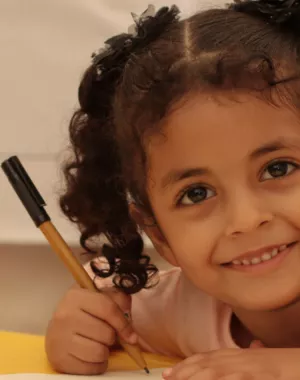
(239, 364)
(84, 328)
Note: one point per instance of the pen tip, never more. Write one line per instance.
(147, 370)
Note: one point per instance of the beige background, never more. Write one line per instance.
(31, 285)
(44, 47)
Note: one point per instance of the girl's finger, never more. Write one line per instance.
(206, 374)
(88, 350)
(189, 361)
(238, 376)
(185, 372)
(121, 299)
(105, 308)
(95, 329)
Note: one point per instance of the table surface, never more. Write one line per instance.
(22, 353)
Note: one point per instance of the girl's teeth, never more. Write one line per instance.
(266, 257)
(258, 260)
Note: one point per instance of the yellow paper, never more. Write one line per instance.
(21, 353)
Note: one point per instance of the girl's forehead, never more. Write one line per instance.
(203, 129)
(207, 119)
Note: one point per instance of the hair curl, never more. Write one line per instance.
(131, 86)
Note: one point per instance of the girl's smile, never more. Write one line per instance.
(263, 260)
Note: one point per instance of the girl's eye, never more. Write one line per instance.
(195, 195)
(279, 169)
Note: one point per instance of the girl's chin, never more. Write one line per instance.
(270, 302)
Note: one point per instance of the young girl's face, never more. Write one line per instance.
(224, 184)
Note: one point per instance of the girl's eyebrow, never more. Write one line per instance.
(273, 146)
(177, 175)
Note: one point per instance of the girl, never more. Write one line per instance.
(189, 130)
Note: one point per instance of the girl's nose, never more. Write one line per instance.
(246, 213)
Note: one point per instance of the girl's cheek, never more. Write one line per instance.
(288, 206)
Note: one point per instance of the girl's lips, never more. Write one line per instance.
(264, 265)
(259, 252)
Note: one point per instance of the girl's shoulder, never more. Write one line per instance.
(172, 284)
(176, 318)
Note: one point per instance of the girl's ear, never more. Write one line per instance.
(154, 233)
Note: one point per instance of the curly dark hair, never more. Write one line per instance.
(130, 88)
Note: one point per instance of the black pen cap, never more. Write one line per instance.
(25, 189)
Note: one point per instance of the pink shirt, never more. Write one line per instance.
(175, 318)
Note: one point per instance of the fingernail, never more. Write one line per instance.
(133, 338)
(167, 373)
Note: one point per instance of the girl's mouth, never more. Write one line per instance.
(263, 261)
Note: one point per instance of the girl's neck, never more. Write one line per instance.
(240, 334)
(280, 328)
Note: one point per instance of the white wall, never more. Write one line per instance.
(45, 45)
